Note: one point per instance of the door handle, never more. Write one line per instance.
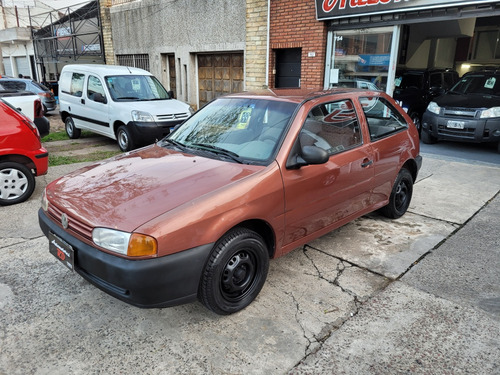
(82, 101)
(366, 163)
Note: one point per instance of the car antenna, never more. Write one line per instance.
(129, 70)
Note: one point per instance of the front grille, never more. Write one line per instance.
(460, 112)
(74, 225)
(463, 133)
(173, 117)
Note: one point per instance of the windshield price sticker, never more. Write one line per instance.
(62, 251)
(455, 124)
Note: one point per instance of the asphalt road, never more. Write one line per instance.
(468, 152)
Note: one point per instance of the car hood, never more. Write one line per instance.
(128, 191)
(467, 101)
(160, 107)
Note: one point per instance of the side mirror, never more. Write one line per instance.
(100, 98)
(171, 94)
(309, 155)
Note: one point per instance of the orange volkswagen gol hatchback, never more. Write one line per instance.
(247, 178)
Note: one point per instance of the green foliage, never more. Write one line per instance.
(94, 156)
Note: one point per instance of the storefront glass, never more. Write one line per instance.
(362, 56)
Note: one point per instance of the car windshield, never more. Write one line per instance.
(135, 87)
(409, 80)
(482, 84)
(242, 130)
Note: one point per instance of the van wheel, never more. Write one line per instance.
(428, 138)
(401, 194)
(71, 130)
(16, 183)
(235, 272)
(124, 139)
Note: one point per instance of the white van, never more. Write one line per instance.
(123, 103)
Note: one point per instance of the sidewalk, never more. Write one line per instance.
(441, 317)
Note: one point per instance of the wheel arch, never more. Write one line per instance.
(412, 167)
(116, 125)
(21, 159)
(262, 228)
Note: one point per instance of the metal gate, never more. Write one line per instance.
(219, 74)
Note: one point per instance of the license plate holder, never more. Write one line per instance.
(455, 124)
(62, 250)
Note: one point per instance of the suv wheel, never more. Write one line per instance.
(16, 183)
(416, 120)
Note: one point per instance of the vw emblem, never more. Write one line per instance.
(64, 221)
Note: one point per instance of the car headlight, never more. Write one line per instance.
(131, 244)
(491, 112)
(45, 201)
(141, 116)
(434, 108)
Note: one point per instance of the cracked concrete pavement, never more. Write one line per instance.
(357, 300)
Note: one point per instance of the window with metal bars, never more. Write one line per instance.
(137, 61)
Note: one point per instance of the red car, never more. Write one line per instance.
(247, 178)
(22, 156)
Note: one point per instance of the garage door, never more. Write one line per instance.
(219, 74)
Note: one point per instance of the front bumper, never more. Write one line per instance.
(145, 133)
(159, 282)
(474, 129)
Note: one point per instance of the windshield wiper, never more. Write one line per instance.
(219, 151)
(178, 144)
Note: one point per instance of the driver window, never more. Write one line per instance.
(94, 86)
(333, 127)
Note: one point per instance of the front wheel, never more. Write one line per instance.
(401, 194)
(235, 272)
(124, 140)
(16, 183)
(427, 138)
(71, 130)
(416, 120)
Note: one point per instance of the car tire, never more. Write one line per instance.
(16, 183)
(498, 147)
(235, 272)
(71, 130)
(124, 139)
(428, 138)
(401, 194)
(416, 120)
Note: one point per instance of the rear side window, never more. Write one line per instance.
(382, 118)
(333, 127)
(72, 83)
(14, 85)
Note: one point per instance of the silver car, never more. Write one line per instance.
(25, 84)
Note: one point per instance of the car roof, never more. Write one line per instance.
(105, 69)
(294, 95)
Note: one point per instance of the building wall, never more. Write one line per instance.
(293, 24)
(180, 27)
(107, 36)
(256, 44)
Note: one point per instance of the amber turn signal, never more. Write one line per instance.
(142, 245)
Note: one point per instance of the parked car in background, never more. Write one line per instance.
(30, 105)
(247, 178)
(22, 156)
(24, 84)
(123, 103)
(414, 89)
(469, 112)
(355, 83)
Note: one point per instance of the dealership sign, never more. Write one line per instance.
(330, 9)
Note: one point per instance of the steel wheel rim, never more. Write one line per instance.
(13, 183)
(69, 127)
(238, 276)
(401, 195)
(123, 140)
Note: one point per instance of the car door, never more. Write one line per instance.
(318, 197)
(96, 106)
(388, 136)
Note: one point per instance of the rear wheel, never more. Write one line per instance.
(235, 272)
(71, 130)
(124, 140)
(16, 183)
(401, 194)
